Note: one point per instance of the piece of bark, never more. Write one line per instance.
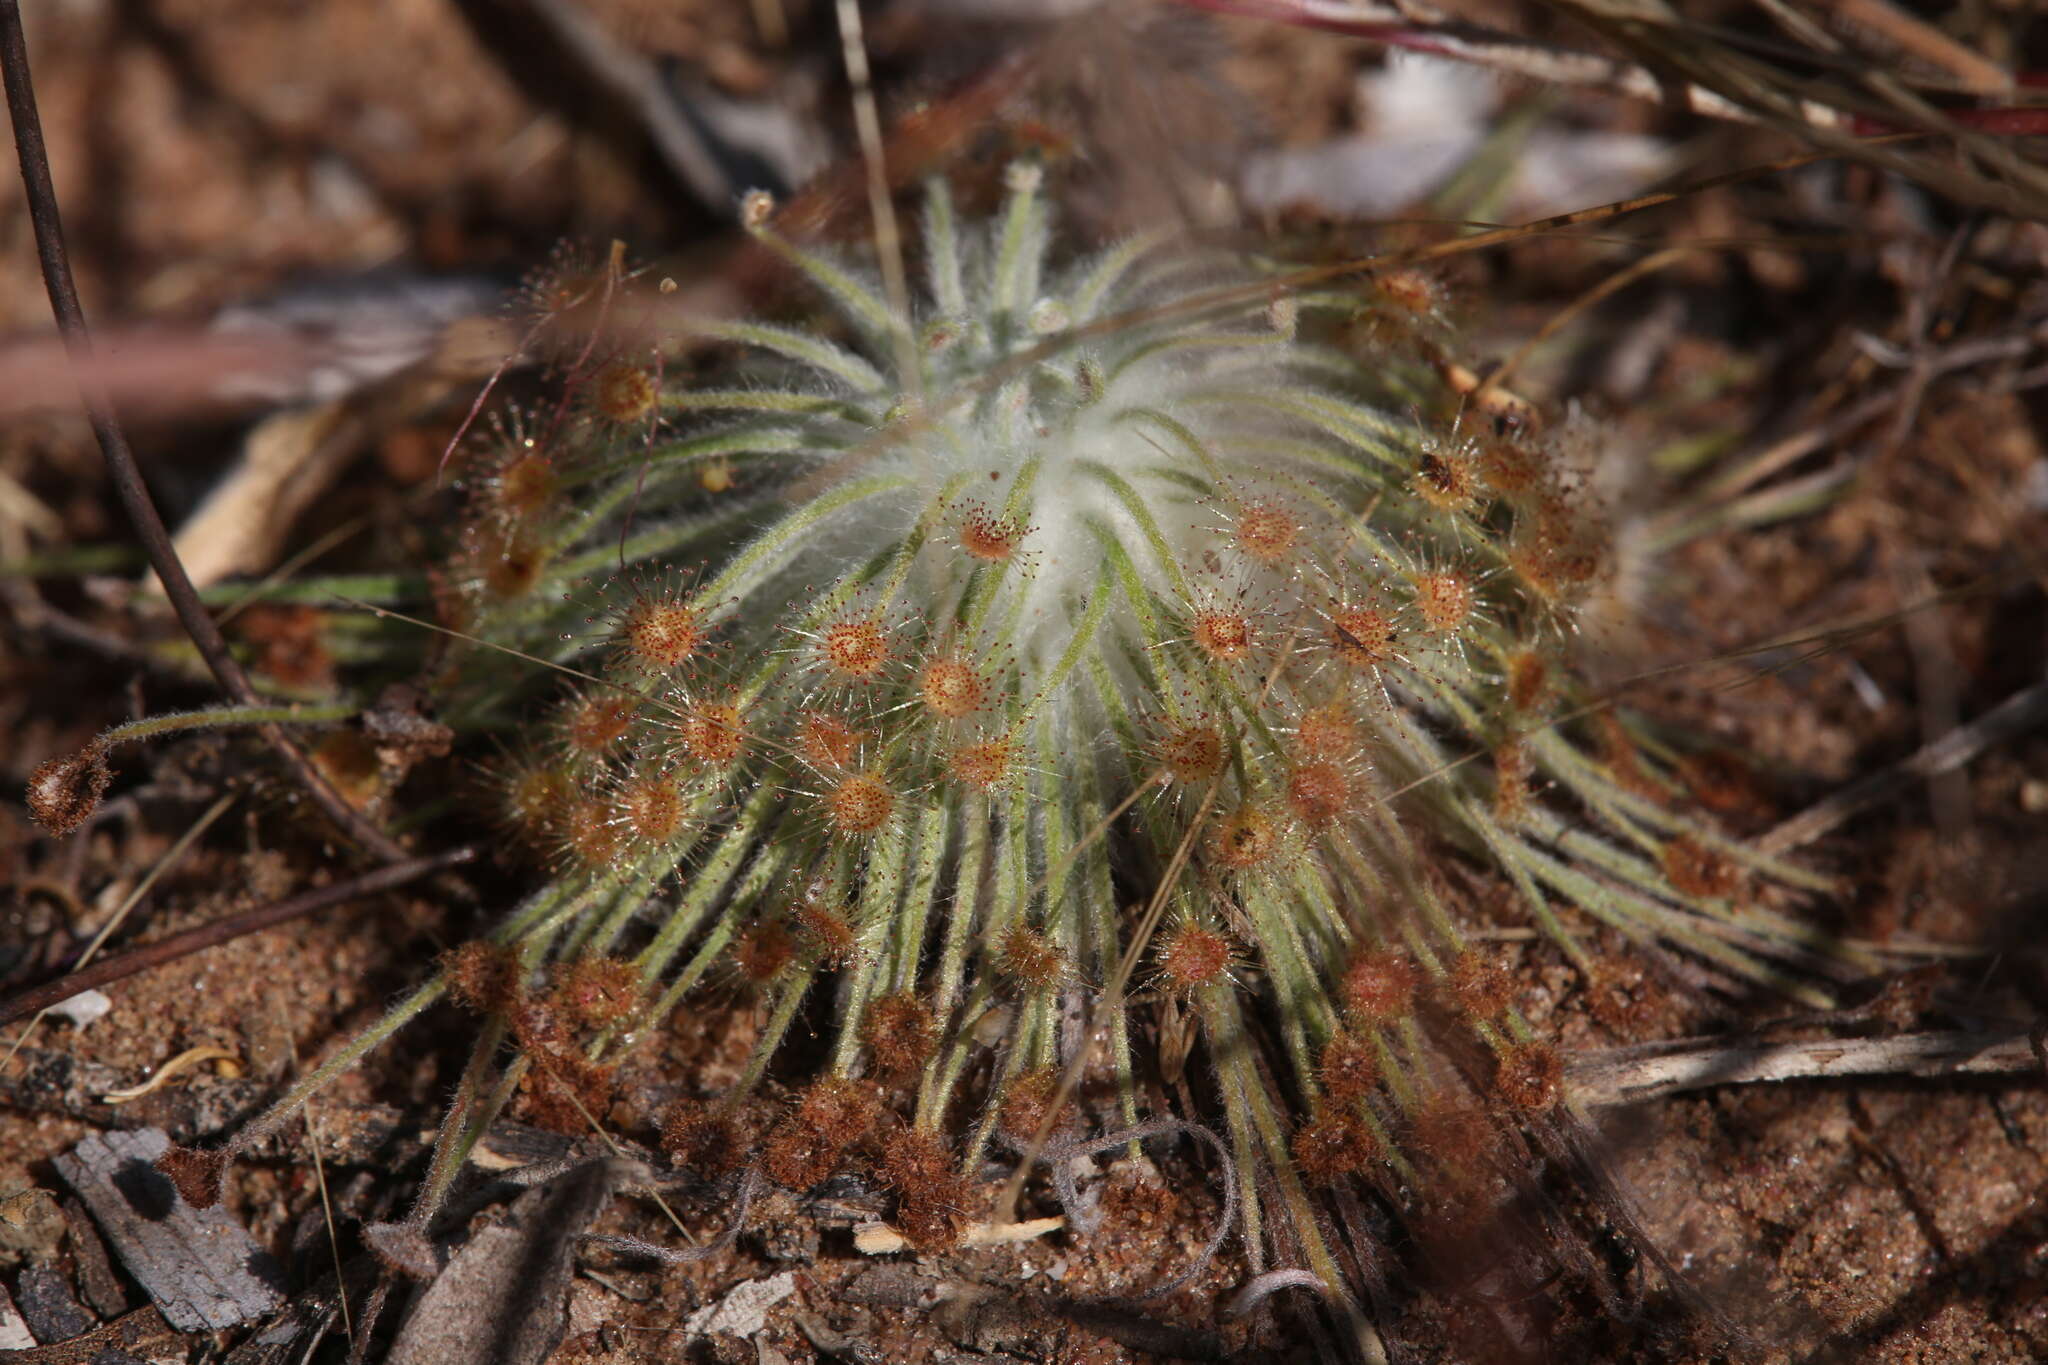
(103, 1288)
(47, 1304)
(502, 1300)
(200, 1266)
(143, 1333)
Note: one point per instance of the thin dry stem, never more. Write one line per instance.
(1630, 1074)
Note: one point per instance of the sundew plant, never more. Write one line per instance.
(1117, 638)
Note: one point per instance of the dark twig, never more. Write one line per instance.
(106, 428)
(175, 946)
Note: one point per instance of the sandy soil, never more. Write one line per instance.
(214, 152)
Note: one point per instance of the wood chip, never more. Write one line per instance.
(143, 1334)
(879, 1239)
(102, 1287)
(200, 1266)
(743, 1312)
(46, 1302)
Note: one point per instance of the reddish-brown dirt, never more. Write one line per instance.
(211, 152)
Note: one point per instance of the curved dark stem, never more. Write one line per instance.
(175, 946)
(106, 428)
